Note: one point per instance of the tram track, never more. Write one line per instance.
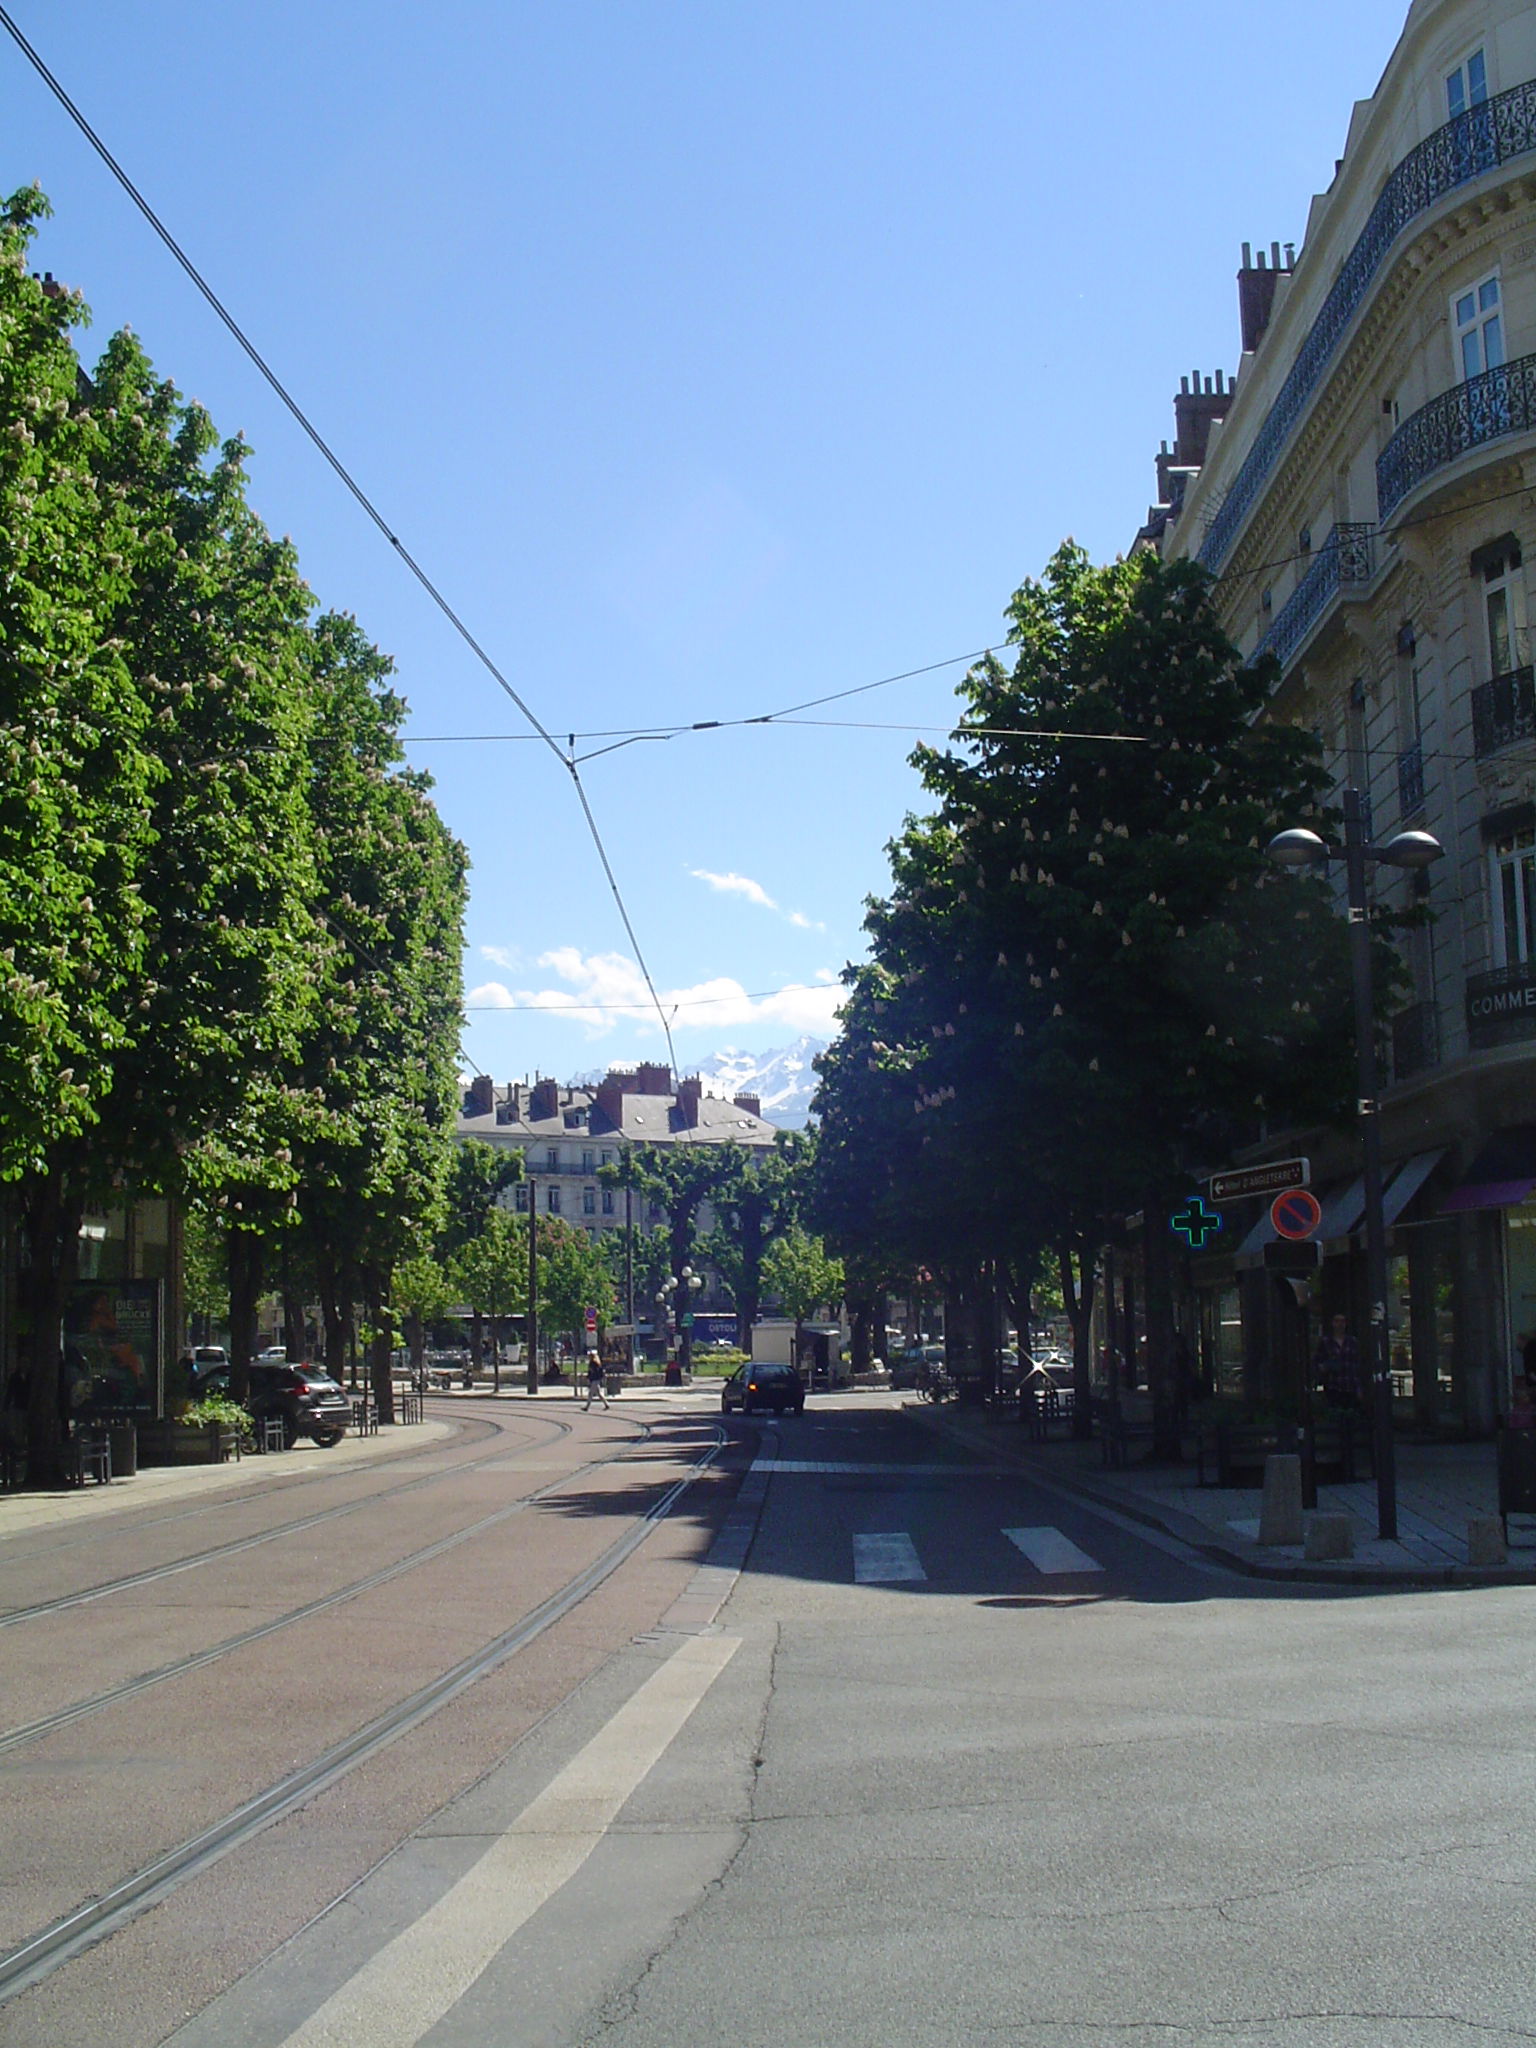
(44, 1952)
(219, 1552)
(79, 1710)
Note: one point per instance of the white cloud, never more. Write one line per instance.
(736, 885)
(602, 990)
(743, 885)
(501, 956)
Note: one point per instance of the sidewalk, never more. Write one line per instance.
(1440, 1487)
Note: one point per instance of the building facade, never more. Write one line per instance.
(1364, 493)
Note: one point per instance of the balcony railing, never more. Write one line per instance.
(1344, 559)
(1415, 1040)
(1410, 781)
(1503, 712)
(1469, 415)
(1476, 141)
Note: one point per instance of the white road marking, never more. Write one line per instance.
(407, 1987)
(1049, 1551)
(879, 1558)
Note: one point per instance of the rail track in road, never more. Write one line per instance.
(44, 1951)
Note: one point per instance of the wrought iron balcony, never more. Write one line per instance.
(1344, 560)
(1476, 141)
(1503, 711)
(1415, 1040)
(1469, 415)
(1410, 781)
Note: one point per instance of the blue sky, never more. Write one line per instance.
(711, 359)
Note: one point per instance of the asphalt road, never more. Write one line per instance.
(952, 1759)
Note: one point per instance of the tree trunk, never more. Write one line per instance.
(245, 1264)
(295, 1330)
(863, 1326)
(334, 1319)
(1077, 1296)
(51, 1217)
(416, 1337)
(380, 1379)
(1161, 1376)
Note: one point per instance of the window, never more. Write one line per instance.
(588, 1160)
(589, 1201)
(1467, 85)
(552, 1159)
(552, 1201)
(607, 1157)
(1504, 608)
(520, 1200)
(607, 1201)
(1478, 317)
(1512, 879)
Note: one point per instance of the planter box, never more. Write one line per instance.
(167, 1443)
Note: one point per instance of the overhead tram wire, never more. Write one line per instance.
(350, 483)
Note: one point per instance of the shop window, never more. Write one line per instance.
(1512, 885)
(1478, 316)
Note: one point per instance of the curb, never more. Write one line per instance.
(1199, 1536)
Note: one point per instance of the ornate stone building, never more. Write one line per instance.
(1365, 494)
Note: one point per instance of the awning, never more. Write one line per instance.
(1502, 1174)
(1343, 1205)
(1407, 1181)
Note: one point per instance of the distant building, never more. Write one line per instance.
(1364, 491)
(567, 1133)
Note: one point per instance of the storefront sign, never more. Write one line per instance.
(1501, 1006)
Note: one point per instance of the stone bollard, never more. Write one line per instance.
(1485, 1540)
(1280, 1515)
(1329, 1536)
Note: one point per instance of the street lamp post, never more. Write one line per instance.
(1301, 848)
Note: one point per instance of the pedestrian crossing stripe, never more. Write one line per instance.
(1049, 1551)
(882, 1558)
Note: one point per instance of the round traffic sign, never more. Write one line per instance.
(1296, 1214)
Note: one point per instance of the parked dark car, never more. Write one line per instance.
(304, 1398)
(778, 1387)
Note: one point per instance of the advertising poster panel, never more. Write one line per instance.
(112, 1349)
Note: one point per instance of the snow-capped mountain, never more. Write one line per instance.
(784, 1081)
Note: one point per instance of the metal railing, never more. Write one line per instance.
(1475, 142)
(1410, 781)
(1503, 711)
(1345, 558)
(1469, 415)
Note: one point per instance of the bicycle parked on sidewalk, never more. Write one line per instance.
(935, 1384)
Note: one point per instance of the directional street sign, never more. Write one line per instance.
(1261, 1180)
(1296, 1214)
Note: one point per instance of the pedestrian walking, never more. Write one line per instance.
(595, 1380)
(1337, 1363)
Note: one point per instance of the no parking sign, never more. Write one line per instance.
(1296, 1214)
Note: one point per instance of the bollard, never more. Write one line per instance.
(1280, 1515)
(1485, 1540)
(1330, 1536)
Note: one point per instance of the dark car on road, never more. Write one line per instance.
(778, 1387)
(304, 1398)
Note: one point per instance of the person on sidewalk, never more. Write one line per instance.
(1337, 1364)
(595, 1380)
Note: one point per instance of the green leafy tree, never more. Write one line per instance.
(573, 1277)
(798, 1273)
(680, 1179)
(760, 1197)
(491, 1273)
(422, 1291)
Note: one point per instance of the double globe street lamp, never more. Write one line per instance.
(1300, 848)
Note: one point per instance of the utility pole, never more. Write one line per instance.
(533, 1288)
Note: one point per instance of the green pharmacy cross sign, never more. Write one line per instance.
(1195, 1223)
